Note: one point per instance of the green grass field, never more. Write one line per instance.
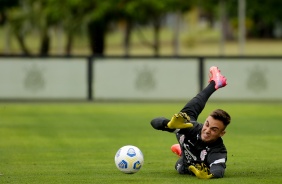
(76, 143)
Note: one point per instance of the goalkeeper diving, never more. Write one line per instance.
(200, 147)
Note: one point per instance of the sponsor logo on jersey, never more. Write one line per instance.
(189, 156)
(191, 143)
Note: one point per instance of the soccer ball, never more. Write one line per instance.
(129, 159)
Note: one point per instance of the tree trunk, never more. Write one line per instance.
(157, 26)
(127, 33)
(3, 18)
(176, 34)
(45, 43)
(22, 44)
(69, 44)
(96, 31)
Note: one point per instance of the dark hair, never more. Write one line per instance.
(221, 115)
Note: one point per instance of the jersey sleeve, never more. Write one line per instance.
(217, 164)
(160, 123)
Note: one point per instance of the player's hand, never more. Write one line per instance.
(201, 171)
(179, 121)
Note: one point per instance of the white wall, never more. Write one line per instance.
(249, 79)
(39, 78)
(145, 79)
(137, 78)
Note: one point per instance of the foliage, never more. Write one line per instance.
(96, 16)
(4, 4)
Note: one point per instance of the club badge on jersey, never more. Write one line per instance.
(203, 154)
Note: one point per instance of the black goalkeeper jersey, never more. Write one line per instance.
(194, 150)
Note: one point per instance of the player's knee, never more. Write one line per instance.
(181, 168)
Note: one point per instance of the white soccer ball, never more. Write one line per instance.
(129, 159)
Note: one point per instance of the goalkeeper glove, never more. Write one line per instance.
(179, 121)
(201, 171)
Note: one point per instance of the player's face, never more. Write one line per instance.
(212, 130)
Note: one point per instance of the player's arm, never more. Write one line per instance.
(217, 164)
(218, 170)
(161, 124)
(178, 121)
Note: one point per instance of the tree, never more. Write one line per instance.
(264, 17)
(72, 17)
(32, 15)
(4, 5)
(149, 13)
(261, 17)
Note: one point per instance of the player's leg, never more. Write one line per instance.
(181, 166)
(195, 106)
